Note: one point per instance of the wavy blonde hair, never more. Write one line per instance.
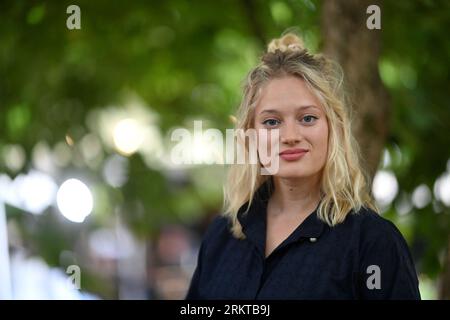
(344, 185)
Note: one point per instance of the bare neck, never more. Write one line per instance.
(295, 196)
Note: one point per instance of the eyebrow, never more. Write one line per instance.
(297, 109)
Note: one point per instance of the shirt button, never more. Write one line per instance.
(312, 239)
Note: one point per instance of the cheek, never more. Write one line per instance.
(320, 140)
(268, 141)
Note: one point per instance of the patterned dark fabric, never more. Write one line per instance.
(365, 257)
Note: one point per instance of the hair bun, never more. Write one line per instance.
(288, 42)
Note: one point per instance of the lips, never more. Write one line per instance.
(293, 154)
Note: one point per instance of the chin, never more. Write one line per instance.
(296, 171)
(292, 173)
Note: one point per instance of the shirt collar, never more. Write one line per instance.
(254, 221)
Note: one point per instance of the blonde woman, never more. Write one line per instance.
(310, 230)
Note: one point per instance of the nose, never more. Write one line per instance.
(290, 134)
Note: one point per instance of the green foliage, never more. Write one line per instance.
(414, 67)
(187, 60)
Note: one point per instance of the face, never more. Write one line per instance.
(287, 104)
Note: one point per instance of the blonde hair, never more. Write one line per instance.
(344, 185)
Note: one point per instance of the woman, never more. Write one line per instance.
(310, 230)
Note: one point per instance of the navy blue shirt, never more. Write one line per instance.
(364, 257)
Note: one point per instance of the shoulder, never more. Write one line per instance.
(219, 224)
(217, 232)
(375, 228)
(383, 254)
(380, 240)
(366, 216)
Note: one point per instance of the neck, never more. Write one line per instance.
(294, 196)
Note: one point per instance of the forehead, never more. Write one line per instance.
(285, 93)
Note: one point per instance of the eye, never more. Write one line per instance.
(309, 119)
(271, 122)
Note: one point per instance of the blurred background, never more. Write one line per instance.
(91, 205)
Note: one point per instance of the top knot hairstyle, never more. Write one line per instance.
(344, 185)
(289, 42)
